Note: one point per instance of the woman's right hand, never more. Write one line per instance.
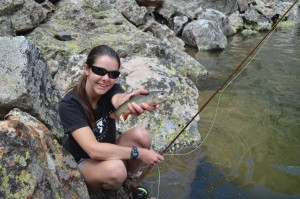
(149, 157)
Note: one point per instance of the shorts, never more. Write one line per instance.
(80, 163)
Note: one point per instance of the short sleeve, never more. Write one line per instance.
(71, 113)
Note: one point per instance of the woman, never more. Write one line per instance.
(103, 159)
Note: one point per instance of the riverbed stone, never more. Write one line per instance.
(219, 18)
(204, 34)
(236, 21)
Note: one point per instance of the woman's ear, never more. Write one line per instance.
(86, 69)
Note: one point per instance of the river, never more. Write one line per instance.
(253, 147)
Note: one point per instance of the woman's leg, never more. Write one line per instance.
(104, 174)
(138, 137)
(112, 173)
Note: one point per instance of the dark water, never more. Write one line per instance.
(253, 148)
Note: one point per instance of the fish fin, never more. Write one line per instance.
(125, 116)
(114, 116)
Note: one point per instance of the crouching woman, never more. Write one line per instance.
(103, 159)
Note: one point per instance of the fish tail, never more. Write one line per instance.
(125, 116)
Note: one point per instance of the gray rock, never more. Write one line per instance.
(178, 23)
(33, 164)
(165, 122)
(204, 34)
(247, 32)
(132, 11)
(26, 82)
(153, 3)
(165, 35)
(242, 5)
(192, 8)
(63, 36)
(255, 21)
(219, 18)
(236, 21)
(24, 15)
(7, 28)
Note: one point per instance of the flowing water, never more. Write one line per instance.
(253, 147)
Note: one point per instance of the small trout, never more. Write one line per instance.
(152, 99)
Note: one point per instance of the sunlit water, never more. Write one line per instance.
(253, 148)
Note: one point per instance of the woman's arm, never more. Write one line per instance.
(106, 151)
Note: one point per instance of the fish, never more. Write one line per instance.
(152, 98)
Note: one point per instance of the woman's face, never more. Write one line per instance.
(98, 85)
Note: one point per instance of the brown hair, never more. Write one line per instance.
(79, 88)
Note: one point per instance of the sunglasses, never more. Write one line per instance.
(101, 72)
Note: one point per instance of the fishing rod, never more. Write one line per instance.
(148, 169)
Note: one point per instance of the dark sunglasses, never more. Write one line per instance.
(101, 72)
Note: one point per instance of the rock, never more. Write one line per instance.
(172, 8)
(178, 23)
(26, 83)
(256, 21)
(247, 32)
(132, 11)
(147, 3)
(166, 35)
(69, 72)
(243, 5)
(33, 164)
(63, 36)
(25, 15)
(204, 34)
(165, 122)
(7, 28)
(192, 8)
(236, 21)
(219, 18)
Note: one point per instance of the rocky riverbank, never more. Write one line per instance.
(43, 46)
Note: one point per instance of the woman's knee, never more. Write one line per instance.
(142, 137)
(107, 174)
(117, 174)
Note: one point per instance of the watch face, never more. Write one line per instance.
(134, 153)
(140, 193)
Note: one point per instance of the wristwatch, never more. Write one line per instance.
(134, 153)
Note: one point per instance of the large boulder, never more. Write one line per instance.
(152, 74)
(166, 122)
(219, 18)
(26, 82)
(33, 164)
(204, 34)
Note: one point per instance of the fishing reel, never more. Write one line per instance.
(140, 193)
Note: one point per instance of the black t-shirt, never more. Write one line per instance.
(73, 117)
